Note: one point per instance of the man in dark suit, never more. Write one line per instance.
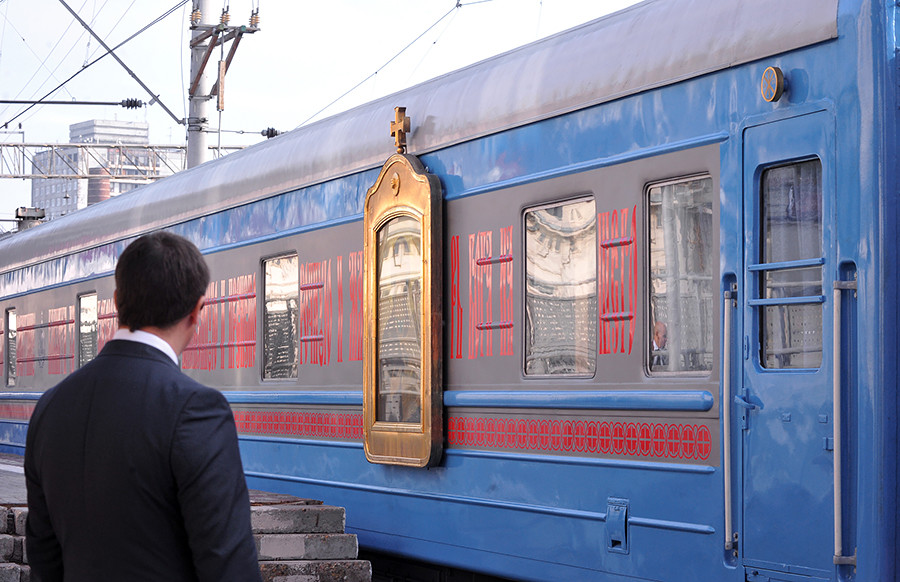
(132, 468)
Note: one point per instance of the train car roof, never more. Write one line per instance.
(648, 45)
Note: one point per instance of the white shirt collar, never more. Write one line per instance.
(149, 339)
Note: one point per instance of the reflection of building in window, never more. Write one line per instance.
(791, 332)
(280, 317)
(561, 289)
(399, 280)
(682, 260)
(87, 328)
(11, 347)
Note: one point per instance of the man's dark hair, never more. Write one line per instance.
(159, 279)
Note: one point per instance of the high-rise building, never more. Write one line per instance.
(111, 168)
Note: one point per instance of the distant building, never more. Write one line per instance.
(60, 196)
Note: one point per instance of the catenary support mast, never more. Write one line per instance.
(198, 116)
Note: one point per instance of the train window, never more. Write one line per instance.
(11, 347)
(561, 289)
(681, 262)
(790, 275)
(87, 328)
(280, 351)
(399, 284)
(402, 404)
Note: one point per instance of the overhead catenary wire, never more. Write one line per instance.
(3, 29)
(456, 6)
(154, 97)
(130, 38)
(87, 49)
(53, 50)
(52, 73)
(111, 30)
(126, 103)
(52, 91)
(412, 73)
(43, 61)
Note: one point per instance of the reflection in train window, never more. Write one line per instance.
(280, 350)
(87, 328)
(561, 289)
(681, 260)
(792, 221)
(399, 281)
(11, 347)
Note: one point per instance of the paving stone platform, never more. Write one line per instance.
(298, 540)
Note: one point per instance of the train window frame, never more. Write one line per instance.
(263, 322)
(811, 300)
(650, 325)
(404, 190)
(592, 350)
(10, 338)
(96, 320)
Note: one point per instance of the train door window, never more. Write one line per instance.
(11, 347)
(790, 273)
(280, 350)
(561, 289)
(87, 328)
(681, 262)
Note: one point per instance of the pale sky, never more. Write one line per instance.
(305, 56)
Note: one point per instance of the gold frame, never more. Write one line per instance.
(404, 188)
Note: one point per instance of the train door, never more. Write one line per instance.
(783, 405)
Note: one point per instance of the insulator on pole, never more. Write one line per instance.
(269, 132)
(254, 18)
(196, 15)
(225, 17)
(131, 103)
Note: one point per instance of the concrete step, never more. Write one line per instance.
(15, 573)
(309, 571)
(298, 540)
(296, 518)
(306, 546)
(12, 548)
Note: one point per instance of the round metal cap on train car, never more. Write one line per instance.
(772, 84)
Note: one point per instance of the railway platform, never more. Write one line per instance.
(298, 540)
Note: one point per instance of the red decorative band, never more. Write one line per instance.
(300, 424)
(283, 423)
(622, 439)
(10, 411)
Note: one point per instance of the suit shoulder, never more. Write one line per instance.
(70, 383)
(198, 394)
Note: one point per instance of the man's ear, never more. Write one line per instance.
(194, 315)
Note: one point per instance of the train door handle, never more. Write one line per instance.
(740, 401)
(730, 303)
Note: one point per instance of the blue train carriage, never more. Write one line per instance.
(621, 308)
